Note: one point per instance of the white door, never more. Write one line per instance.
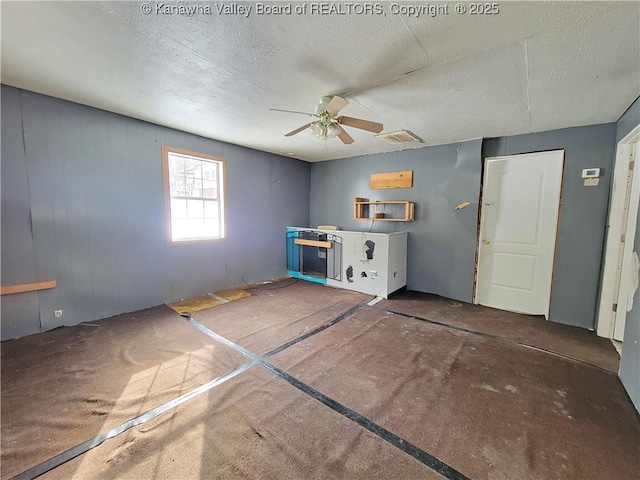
(618, 275)
(627, 266)
(518, 224)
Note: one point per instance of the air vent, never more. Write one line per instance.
(400, 137)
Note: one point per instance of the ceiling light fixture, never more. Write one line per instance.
(325, 128)
(329, 122)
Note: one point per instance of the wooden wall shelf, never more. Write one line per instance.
(362, 210)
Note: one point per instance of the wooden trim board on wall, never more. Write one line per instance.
(392, 180)
(312, 243)
(27, 287)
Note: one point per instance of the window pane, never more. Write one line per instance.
(193, 168)
(178, 208)
(197, 228)
(179, 229)
(212, 227)
(195, 209)
(210, 210)
(187, 229)
(192, 185)
(210, 189)
(176, 165)
(177, 185)
(209, 170)
(196, 187)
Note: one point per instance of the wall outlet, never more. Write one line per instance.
(57, 313)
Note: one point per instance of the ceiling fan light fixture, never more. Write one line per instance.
(318, 129)
(333, 130)
(329, 122)
(324, 129)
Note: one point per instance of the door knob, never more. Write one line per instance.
(486, 241)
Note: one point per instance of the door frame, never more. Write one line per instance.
(481, 221)
(612, 260)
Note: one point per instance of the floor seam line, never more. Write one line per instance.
(495, 337)
(84, 447)
(403, 445)
(442, 324)
(315, 331)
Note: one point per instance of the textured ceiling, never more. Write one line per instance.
(534, 66)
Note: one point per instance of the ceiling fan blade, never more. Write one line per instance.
(336, 104)
(345, 137)
(298, 130)
(374, 127)
(292, 111)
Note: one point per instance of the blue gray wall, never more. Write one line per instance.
(83, 204)
(583, 214)
(630, 361)
(442, 240)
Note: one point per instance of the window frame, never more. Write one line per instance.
(222, 196)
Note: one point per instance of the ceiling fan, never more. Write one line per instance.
(329, 123)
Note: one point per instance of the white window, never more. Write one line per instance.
(194, 194)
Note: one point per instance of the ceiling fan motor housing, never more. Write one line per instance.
(322, 104)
